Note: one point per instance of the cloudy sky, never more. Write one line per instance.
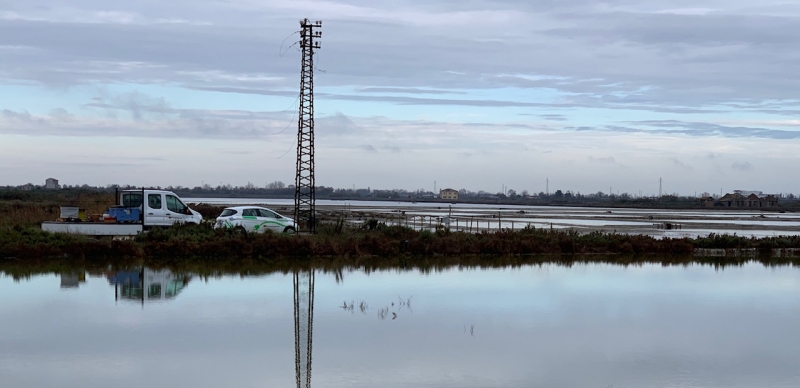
(469, 93)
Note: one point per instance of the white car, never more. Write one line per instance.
(255, 219)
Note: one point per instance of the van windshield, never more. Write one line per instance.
(175, 205)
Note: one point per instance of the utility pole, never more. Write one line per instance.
(659, 187)
(304, 194)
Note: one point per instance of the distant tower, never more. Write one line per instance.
(659, 187)
(304, 196)
(547, 187)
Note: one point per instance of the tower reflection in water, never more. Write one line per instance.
(146, 285)
(303, 325)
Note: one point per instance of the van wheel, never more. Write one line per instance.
(290, 230)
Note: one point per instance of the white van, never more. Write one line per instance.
(160, 207)
(136, 211)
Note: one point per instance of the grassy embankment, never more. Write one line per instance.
(21, 240)
(21, 208)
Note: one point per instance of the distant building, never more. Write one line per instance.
(752, 200)
(72, 280)
(27, 187)
(707, 201)
(747, 193)
(448, 194)
(51, 183)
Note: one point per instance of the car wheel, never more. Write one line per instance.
(290, 230)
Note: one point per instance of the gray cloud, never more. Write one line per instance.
(12, 122)
(407, 91)
(338, 124)
(621, 53)
(607, 159)
(575, 78)
(680, 164)
(707, 129)
(742, 166)
(554, 117)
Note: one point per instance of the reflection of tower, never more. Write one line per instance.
(303, 325)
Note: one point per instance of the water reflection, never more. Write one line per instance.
(303, 325)
(146, 285)
(587, 325)
(72, 279)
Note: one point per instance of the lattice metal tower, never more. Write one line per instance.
(304, 195)
(303, 325)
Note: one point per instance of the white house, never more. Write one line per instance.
(448, 194)
(51, 183)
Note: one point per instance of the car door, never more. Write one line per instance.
(156, 212)
(176, 210)
(270, 220)
(250, 220)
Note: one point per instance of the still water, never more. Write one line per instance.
(550, 326)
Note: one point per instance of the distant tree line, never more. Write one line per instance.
(278, 189)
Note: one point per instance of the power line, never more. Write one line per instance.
(281, 52)
(291, 120)
(289, 150)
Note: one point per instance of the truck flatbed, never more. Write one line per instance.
(93, 228)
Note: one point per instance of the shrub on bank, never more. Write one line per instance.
(206, 243)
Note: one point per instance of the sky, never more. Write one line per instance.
(481, 95)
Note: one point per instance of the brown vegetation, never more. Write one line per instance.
(186, 244)
(30, 209)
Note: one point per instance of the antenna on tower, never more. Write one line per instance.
(304, 194)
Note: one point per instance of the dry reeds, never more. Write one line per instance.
(394, 244)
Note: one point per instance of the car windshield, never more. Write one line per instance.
(266, 213)
(228, 212)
